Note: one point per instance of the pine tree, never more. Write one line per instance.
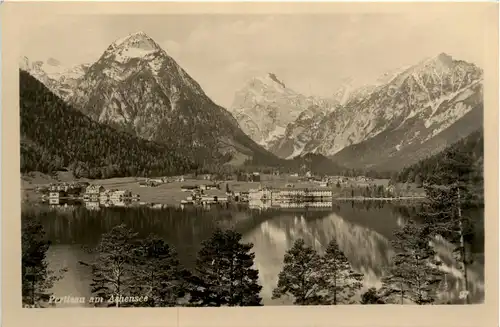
(414, 274)
(340, 280)
(411, 176)
(157, 273)
(451, 189)
(113, 268)
(443, 213)
(224, 274)
(37, 278)
(418, 180)
(301, 276)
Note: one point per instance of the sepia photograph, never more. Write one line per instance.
(253, 159)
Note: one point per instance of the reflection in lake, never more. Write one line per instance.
(367, 250)
(362, 230)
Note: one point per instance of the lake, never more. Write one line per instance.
(362, 230)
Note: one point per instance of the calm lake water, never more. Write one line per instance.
(363, 231)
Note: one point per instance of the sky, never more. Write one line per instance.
(312, 53)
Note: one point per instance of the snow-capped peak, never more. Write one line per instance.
(138, 40)
(442, 61)
(438, 64)
(135, 45)
(74, 72)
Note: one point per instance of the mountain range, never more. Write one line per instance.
(405, 116)
(136, 87)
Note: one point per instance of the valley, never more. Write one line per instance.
(137, 88)
(162, 159)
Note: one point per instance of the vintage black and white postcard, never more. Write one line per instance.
(325, 159)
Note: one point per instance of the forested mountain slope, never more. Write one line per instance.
(54, 135)
(467, 151)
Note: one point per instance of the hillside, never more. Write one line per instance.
(54, 135)
(427, 107)
(384, 153)
(468, 152)
(297, 132)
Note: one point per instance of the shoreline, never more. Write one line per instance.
(380, 199)
(172, 194)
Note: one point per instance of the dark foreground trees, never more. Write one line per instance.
(312, 279)
(142, 272)
(457, 186)
(454, 184)
(113, 268)
(148, 273)
(37, 277)
(301, 277)
(340, 280)
(158, 274)
(224, 273)
(414, 274)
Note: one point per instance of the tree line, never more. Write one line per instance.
(470, 149)
(128, 267)
(413, 275)
(36, 276)
(369, 191)
(147, 272)
(451, 188)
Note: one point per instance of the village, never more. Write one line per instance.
(276, 190)
(57, 193)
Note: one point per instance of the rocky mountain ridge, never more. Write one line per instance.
(404, 116)
(410, 113)
(424, 109)
(135, 86)
(61, 81)
(265, 106)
